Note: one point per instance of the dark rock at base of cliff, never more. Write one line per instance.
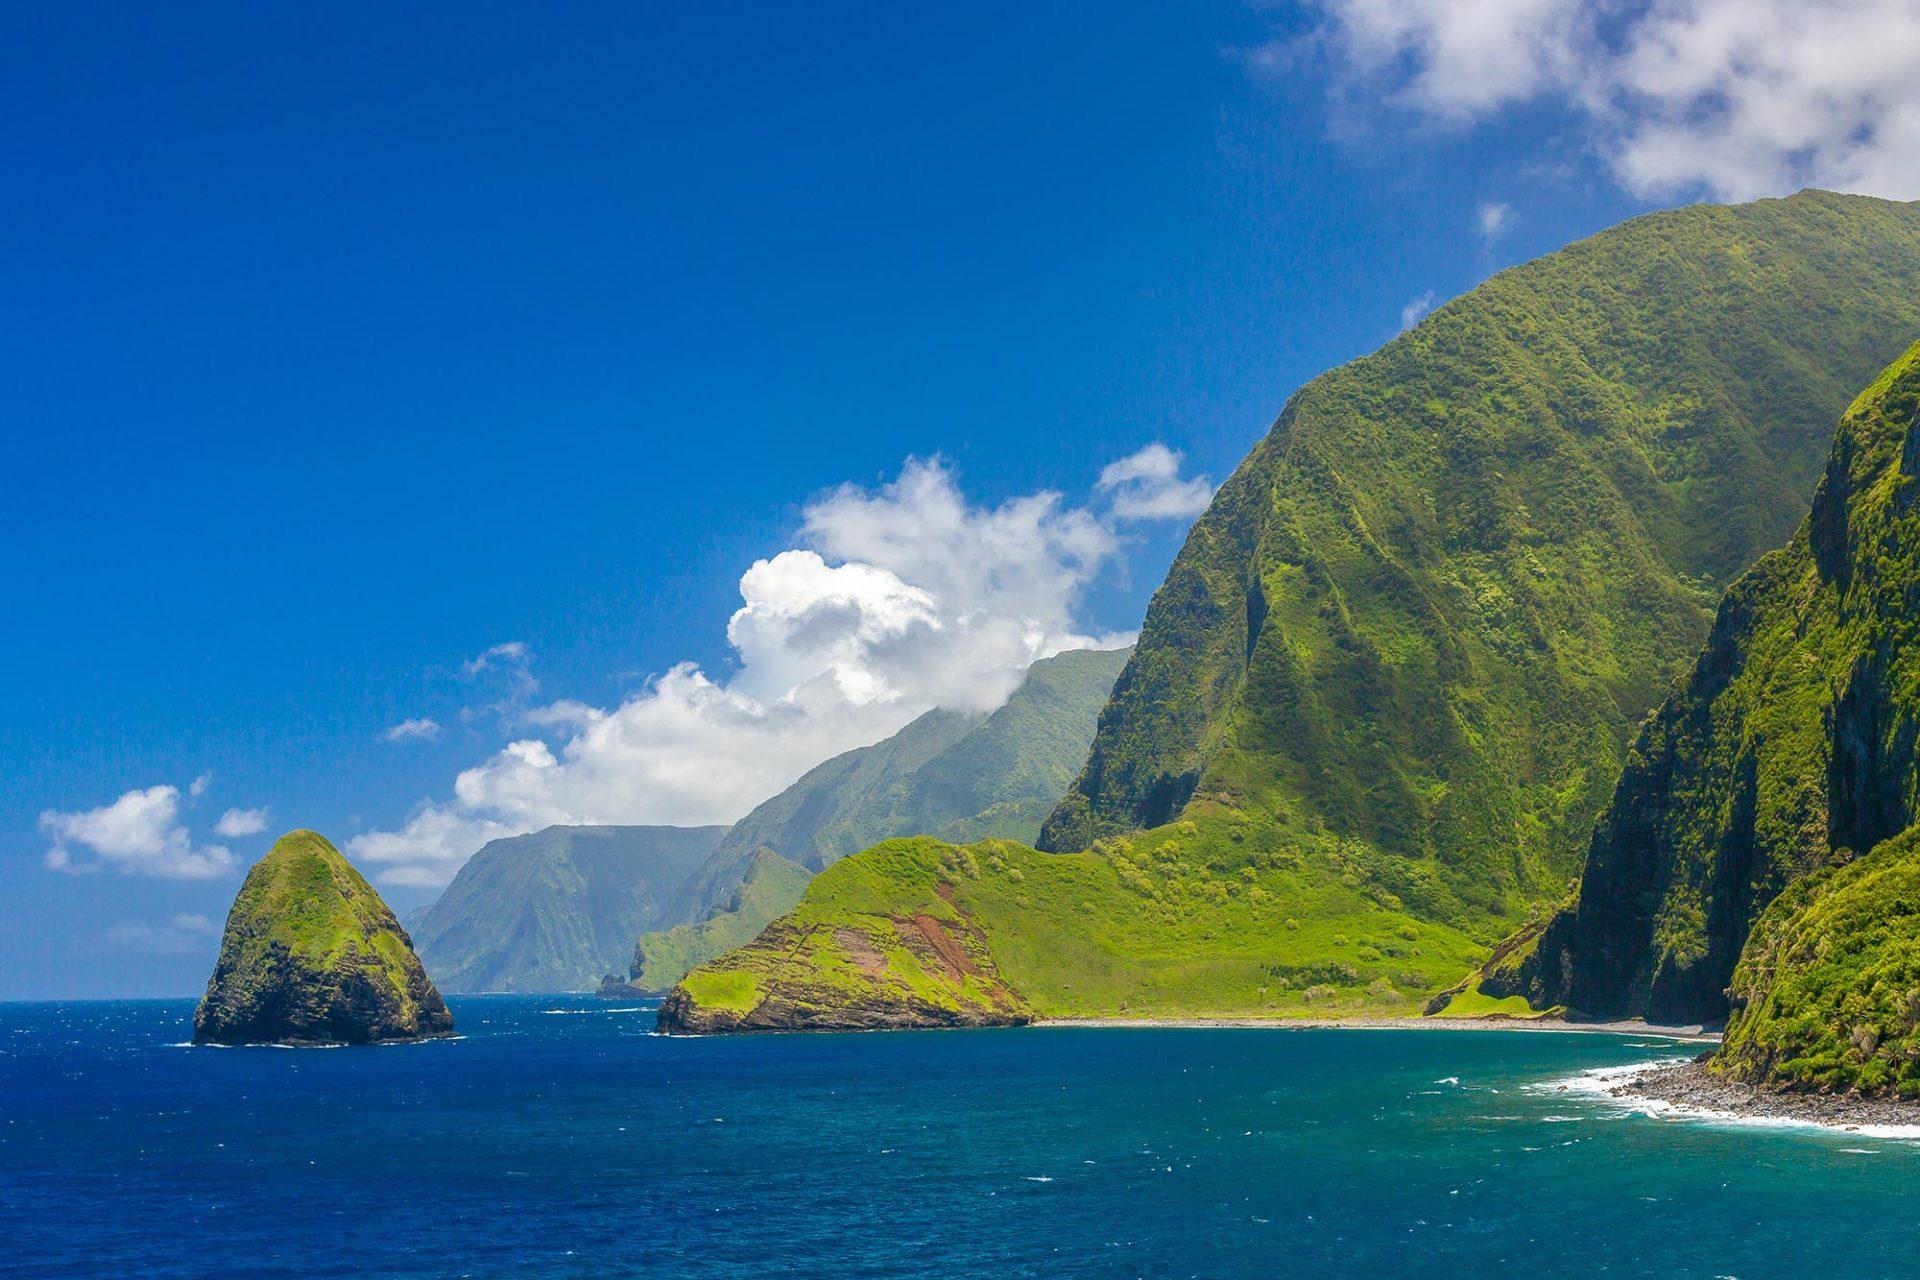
(355, 1004)
(1693, 1085)
(681, 1015)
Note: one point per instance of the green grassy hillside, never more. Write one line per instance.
(1791, 742)
(953, 776)
(1219, 913)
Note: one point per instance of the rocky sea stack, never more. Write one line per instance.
(311, 955)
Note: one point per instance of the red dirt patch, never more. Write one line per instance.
(865, 958)
(953, 958)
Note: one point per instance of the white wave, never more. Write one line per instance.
(1599, 1083)
(587, 1012)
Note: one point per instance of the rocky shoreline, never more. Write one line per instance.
(1622, 1026)
(1692, 1086)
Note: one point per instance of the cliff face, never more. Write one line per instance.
(311, 955)
(1429, 609)
(1790, 745)
(556, 909)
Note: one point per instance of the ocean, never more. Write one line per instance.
(558, 1137)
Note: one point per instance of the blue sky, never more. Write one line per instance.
(345, 348)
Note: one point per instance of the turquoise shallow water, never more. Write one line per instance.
(575, 1144)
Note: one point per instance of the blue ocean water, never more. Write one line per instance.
(559, 1138)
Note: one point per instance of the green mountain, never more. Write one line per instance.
(1789, 746)
(1391, 678)
(1432, 605)
(311, 955)
(554, 910)
(946, 774)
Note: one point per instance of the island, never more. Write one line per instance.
(312, 955)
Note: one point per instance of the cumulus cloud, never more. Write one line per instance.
(1494, 218)
(1415, 310)
(235, 823)
(414, 730)
(140, 833)
(896, 600)
(1735, 98)
(1147, 486)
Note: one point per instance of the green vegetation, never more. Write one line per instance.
(1827, 992)
(1406, 648)
(311, 953)
(1474, 1003)
(1220, 913)
(1432, 605)
(557, 909)
(955, 776)
(1792, 740)
(769, 889)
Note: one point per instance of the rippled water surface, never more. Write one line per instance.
(559, 1138)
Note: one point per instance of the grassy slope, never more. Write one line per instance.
(955, 777)
(1827, 994)
(1415, 632)
(1218, 913)
(556, 909)
(1792, 737)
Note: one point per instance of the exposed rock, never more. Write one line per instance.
(311, 955)
(1695, 1085)
(615, 986)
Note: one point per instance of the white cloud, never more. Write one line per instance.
(139, 833)
(198, 787)
(897, 600)
(1735, 98)
(1147, 486)
(235, 823)
(1415, 310)
(414, 730)
(513, 655)
(1494, 219)
(564, 713)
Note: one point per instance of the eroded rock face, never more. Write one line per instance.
(311, 955)
(790, 1009)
